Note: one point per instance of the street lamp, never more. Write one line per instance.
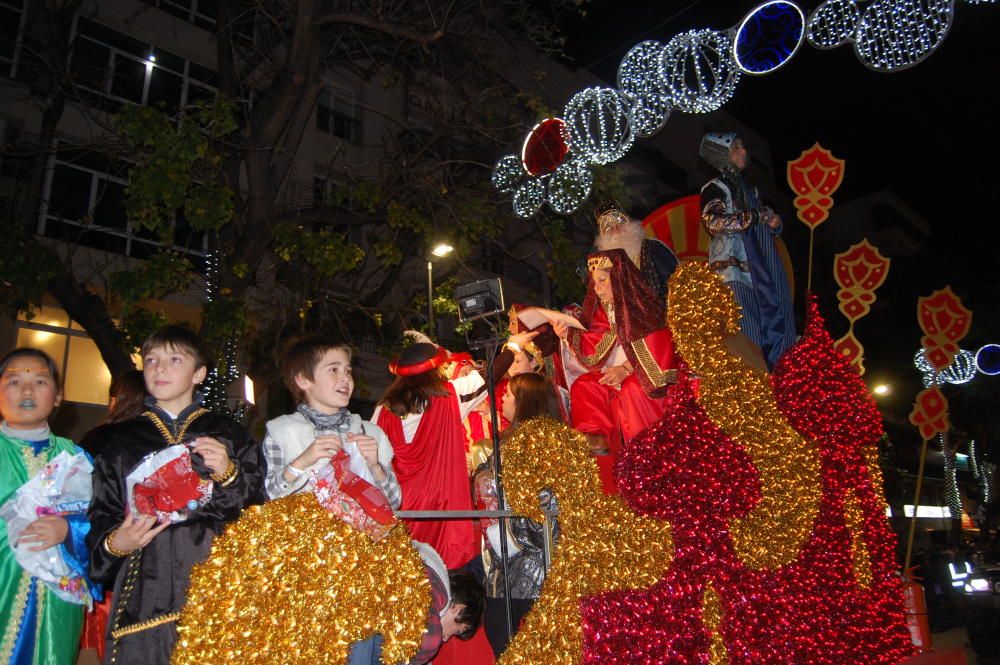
(440, 250)
(881, 389)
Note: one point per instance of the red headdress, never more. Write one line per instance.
(419, 358)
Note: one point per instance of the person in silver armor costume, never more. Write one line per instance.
(528, 396)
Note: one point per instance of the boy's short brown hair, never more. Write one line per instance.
(181, 338)
(301, 357)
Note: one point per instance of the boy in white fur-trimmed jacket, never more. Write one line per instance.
(317, 370)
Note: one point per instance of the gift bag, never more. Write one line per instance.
(352, 498)
(165, 485)
(63, 487)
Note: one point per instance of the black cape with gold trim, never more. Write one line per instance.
(150, 585)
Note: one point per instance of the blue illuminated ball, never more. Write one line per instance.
(768, 37)
(988, 359)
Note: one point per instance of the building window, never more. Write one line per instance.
(86, 378)
(202, 13)
(85, 204)
(11, 168)
(119, 68)
(338, 114)
(330, 192)
(11, 15)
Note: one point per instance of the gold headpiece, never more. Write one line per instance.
(512, 318)
(599, 263)
(611, 218)
(532, 350)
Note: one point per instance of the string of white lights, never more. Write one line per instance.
(640, 81)
(508, 173)
(570, 186)
(599, 125)
(961, 370)
(697, 71)
(832, 23)
(529, 197)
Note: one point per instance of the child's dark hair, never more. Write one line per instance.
(468, 591)
(301, 357)
(129, 392)
(25, 351)
(536, 397)
(412, 394)
(180, 338)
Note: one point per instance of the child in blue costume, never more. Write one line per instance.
(39, 627)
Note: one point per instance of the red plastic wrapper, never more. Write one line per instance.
(165, 485)
(352, 498)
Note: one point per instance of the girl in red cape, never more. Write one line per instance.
(422, 414)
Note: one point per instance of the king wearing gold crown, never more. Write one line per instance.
(656, 262)
(628, 352)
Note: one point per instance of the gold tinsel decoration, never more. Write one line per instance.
(869, 454)
(290, 584)
(860, 559)
(711, 618)
(739, 400)
(603, 545)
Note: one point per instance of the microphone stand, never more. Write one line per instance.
(490, 345)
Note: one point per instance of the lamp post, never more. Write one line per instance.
(440, 250)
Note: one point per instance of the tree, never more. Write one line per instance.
(227, 167)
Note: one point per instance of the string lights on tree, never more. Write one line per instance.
(983, 471)
(952, 495)
(213, 388)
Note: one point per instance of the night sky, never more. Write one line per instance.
(929, 134)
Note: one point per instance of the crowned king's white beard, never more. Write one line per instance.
(628, 237)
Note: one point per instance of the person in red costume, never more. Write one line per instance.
(422, 414)
(628, 352)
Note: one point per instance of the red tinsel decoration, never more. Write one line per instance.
(829, 606)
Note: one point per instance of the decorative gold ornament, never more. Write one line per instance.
(739, 401)
(711, 618)
(290, 583)
(860, 559)
(603, 546)
(599, 263)
(170, 438)
(609, 219)
(870, 455)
